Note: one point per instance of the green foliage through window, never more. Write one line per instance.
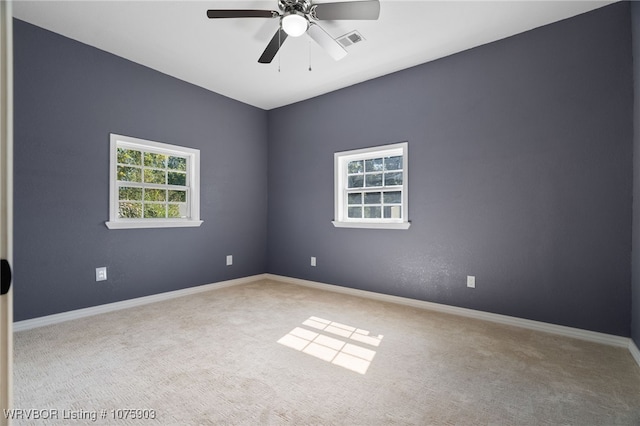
(129, 174)
(177, 163)
(130, 193)
(176, 178)
(155, 160)
(129, 156)
(155, 210)
(151, 177)
(130, 210)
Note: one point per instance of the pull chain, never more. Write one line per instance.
(309, 56)
(279, 45)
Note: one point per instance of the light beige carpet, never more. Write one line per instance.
(273, 353)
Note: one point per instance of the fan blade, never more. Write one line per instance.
(273, 47)
(320, 36)
(357, 10)
(244, 13)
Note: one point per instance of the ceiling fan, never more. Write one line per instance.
(299, 16)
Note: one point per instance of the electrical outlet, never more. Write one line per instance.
(471, 281)
(101, 274)
(229, 260)
(313, 261)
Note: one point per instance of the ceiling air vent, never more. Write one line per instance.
(350, 39)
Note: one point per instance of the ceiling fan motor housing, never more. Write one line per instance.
(301, 6)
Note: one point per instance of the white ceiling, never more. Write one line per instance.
(176, 38)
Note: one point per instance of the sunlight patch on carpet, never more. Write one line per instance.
(330, 349)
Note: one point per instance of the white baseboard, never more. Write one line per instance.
(139, 301)
(576, 333)
(592, 336)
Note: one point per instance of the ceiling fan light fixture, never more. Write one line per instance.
(295, 24)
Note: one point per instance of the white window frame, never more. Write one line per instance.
(193, 184)
(342, 159)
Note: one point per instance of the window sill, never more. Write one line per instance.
(153, 224)
(371, 225)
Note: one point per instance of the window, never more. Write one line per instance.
(153, 185)
(371, 187)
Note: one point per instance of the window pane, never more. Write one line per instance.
(373, 183)
(154, 176)
(393, 197)
(155, 194)
(355, 212)
(178, 196)
(177, 163)
(129, 156)
(355, 198)
(393, 163)
(129, 210)
(356, 181)
(155, 160)
(373, 165)
(393, 212)
(177, 178)
(155, 210)
(355, 167)
(393, 179)
(129, 174)
(374, 179)
(177, 210)
(129, 193)
(153, 182)
(372, 198)
(372, 212)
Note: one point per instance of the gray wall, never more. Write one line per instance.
(68, 98)
(520, 160)
(635, 261)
